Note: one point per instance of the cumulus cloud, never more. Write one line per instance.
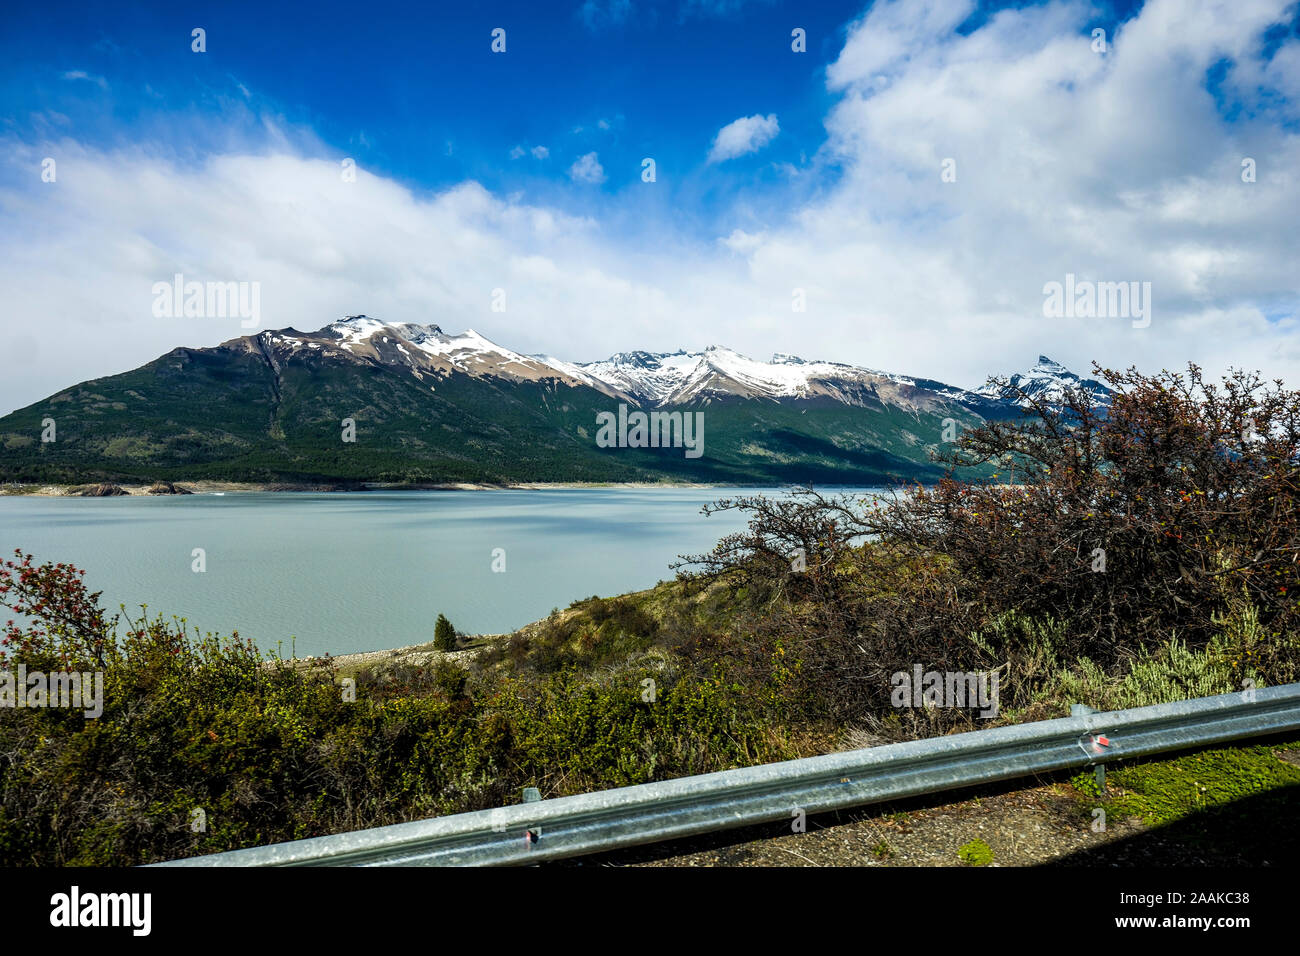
(587, 169)
(1114, 167)
(540, 152)
(745, 135)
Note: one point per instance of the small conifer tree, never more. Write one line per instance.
(444, 635)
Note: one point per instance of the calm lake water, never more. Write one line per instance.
(371, 570)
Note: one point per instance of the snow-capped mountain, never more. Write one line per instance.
(1047, 381)
(362, 400)
(423, 348)
(655, 379)
(681, 377)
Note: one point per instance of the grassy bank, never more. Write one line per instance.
(203, 746)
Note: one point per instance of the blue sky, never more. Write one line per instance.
(413, 91)
(522, 171)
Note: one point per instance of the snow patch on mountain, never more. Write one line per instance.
(678, 377)
(681, 377)
(468, 352)
(356, 329)
(1047, 381)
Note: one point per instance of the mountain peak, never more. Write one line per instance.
(638, 358)
(371, 324)
(1048, 380)
(420, 333)
(658, 378)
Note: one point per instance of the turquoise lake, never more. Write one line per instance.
(370, 570)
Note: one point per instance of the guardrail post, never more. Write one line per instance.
(1099, 771)
(532, 834)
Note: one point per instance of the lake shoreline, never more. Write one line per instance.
(204, 487)
(419, 654)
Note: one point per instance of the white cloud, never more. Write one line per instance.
(89, 77)
(1115, 167)
(587, 169)
(538, 152)
(743, 242)
(745, 135)
(892, 32)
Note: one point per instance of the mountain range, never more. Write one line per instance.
(364, 401)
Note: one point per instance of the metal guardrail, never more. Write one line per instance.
(648, 813)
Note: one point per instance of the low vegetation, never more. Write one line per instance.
(1238, 798)
(1144, 553)
(975, 853)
